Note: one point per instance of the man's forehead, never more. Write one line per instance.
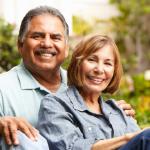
(43, 24)
(46, 18)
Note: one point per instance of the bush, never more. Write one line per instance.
(9, 56)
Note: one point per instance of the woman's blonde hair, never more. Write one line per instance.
(84, 49)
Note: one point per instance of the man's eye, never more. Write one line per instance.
(37, 37)
(56, 38)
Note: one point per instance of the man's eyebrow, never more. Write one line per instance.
(43, 33)
(36, 32)
(56, 34)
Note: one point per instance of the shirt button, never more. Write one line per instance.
(90, 128)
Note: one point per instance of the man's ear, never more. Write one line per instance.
(20, 45)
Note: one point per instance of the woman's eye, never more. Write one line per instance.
(109, 64)
(91, 59)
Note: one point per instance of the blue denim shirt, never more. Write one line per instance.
(67, 123)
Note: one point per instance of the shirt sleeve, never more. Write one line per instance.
(57, 125)
(1, 104)
(131, 123)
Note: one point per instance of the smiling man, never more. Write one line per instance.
(43, 46)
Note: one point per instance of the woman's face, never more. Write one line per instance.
(97, 70)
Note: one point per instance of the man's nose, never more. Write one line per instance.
(47, 42)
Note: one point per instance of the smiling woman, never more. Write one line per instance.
(82, 120)
(103, 55)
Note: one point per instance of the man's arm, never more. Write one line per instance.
(126, 107)
(9, 126)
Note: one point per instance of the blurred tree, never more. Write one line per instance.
(81, 26)
(133, 33)
(9, 55)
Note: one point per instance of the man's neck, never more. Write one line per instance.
(50, 80)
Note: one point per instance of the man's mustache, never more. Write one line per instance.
(40, 51)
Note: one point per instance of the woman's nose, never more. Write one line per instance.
(99, 69)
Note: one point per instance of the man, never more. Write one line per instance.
(43, 46)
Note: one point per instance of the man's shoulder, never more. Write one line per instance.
(9, 78)
(8, 75)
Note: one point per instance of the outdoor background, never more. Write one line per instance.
(126, 21)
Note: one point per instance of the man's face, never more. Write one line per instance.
(45, 47)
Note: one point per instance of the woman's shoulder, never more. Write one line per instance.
(62, 98)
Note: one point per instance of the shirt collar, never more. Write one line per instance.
(110, 106)
(76, 99)
(106, 109)
(79, 104)
(27, 81)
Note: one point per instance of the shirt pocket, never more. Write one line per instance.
(93, 132)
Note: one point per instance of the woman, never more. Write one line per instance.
(82, 120)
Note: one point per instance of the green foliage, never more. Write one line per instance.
(9, 56)
(136, 92)
(133, 32)
(80, 26)
(143, 118)
(133, 39)
(67, 60)
(142, 86)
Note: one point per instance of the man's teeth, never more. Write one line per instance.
(47, 55)
(50, 54)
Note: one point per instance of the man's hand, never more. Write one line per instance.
(10, 125)
(126, 107)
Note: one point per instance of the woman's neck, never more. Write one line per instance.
(91, 100)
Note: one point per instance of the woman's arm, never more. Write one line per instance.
(58, 125)
(114, 143)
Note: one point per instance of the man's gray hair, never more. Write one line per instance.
(36, 12)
